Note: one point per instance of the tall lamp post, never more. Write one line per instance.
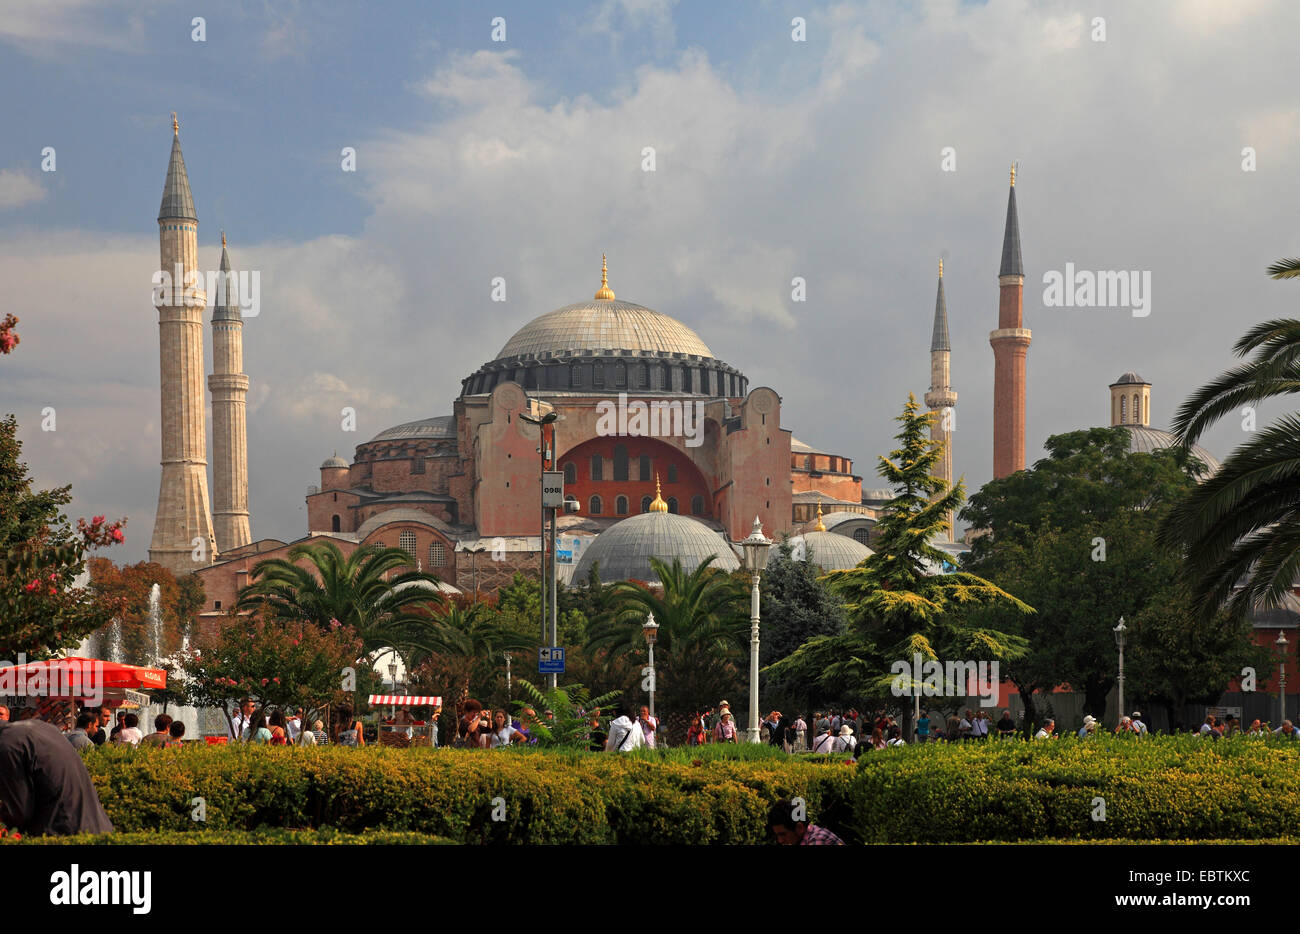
(548, 419)
(1120, 633)
(756, 548)
(392, 677)
(477, 550)
(651, 630)
(1280, 645)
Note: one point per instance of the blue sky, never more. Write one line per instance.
(776, 159)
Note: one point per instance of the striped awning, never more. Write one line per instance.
(405, 700)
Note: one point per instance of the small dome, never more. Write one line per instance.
(623, 551)
(1146, 440)
(828, 550)
(334, 461)
(1130, 378)
(442, 426)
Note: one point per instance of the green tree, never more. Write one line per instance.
(354, 591)
(703, 631)
(41, 611)
(1076, 536)
(564, 713)
(1240, 529)
(897, 607)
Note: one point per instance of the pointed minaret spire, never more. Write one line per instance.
(1011, 265)
(229, 387)
(941, 399)
(226, 301)
(177, 202)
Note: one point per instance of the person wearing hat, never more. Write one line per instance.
(723, 707)
(1138, 726)
(1089, 726)
(845, 742)
(725, 731)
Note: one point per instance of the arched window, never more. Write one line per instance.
(688, 379)
(597, 467)
(334, 524)
(595, 506)
(598, 374)
(667, 377)
(645, 375)
(1137, 410)
(697, 505)
(860, 536)
(570, 472)
(620, 462)
(620, 506)
(620, 375)
(672, 505)
(1123, 410)
(672, 473)
(406, 542)
(808, 462)
(645, 503)
(575, 376)
(437, 554)
(645, 475)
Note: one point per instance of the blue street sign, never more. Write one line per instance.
(550, 660)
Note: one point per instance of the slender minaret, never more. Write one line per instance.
(182, 531)
(1010, 345)
(229, 388)
(941, 399)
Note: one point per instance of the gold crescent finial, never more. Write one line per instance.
(658, 504)
(821, 526)
(176, 125)
(605, 293)
(1013, 175)
(940, 267)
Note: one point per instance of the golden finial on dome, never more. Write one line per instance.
(176, 125)
(940, 267)
(657, 504)
(605, 293)
(1013, 175)
(821, 526)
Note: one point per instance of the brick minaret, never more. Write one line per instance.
(1010, 345)
(229, 388)
(941, 399)
(183, 515)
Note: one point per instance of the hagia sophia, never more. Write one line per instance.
(461, 491)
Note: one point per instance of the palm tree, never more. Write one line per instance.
(1240, 529)
(465, 645)
(703, 629)
(353, 591)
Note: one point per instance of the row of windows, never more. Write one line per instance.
(620, 471)
(596, 505)
(1137, 409)
(657, 376)
(179, 227)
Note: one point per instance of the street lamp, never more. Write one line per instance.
(477, 550)
(1280, 645)
(541, 422)
(392, 677)
(756, 548)
(651, 630)
(1120, 633)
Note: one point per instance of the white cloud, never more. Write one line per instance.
(18, 188)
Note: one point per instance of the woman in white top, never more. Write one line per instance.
(502, 732)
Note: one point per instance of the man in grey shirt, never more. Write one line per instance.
(80, 735)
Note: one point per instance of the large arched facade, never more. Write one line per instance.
(620, 471)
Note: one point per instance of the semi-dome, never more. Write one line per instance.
(828, 550)
(623, 551)
(442, 426)
(1146, 440)
(603, 324)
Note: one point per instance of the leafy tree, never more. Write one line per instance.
(129, 587)
(896, 606)
(41, 611)
(279, 663)
(317, 584)
(703, 631)
(1240, 529)
(1076, 536)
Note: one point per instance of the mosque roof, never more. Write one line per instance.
(1146, 440)
(604, 324)
(440, 426)
(828, 550)
(1130, 378)
(623, 551)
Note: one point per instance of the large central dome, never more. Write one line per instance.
(603, 324)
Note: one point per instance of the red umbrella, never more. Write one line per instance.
(76, 677)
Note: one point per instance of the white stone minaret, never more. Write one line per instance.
(182, 531)
(941, 400)
(229, 388)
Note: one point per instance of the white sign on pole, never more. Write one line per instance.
(553, 489)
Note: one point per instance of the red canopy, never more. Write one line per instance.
(76, 677)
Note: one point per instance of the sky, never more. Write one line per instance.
(822, 159)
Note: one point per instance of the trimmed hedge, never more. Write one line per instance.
(263, 837)
(1155, 788)
(548, 797)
